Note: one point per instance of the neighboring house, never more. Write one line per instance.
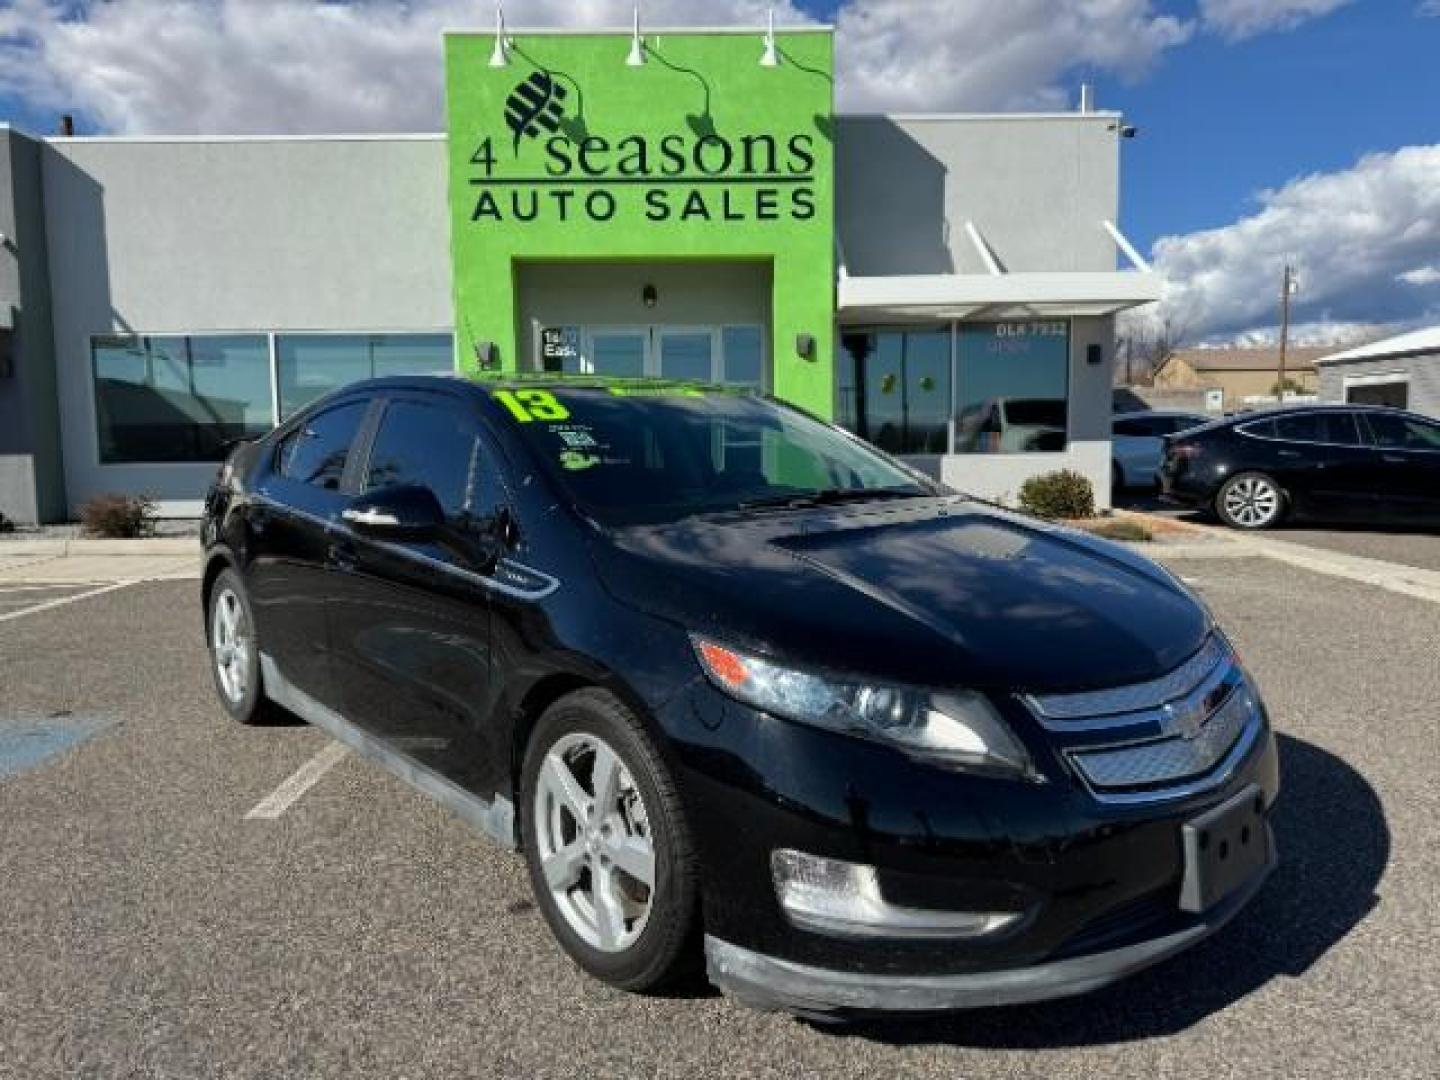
(1240, 373)
(1400, 371)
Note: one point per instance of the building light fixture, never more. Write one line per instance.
(637, 44)
(771, 56)
(500, 55)
(649, 295)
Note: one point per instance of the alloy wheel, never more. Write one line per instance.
(1252, 501)
(594, 842)
(230, 641)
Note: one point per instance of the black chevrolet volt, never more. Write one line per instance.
(745, 690)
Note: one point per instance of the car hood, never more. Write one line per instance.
(939, 591)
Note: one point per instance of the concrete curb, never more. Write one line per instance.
(148, 545)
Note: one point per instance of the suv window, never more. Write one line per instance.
(1322, 427)
(315, 452)
(428, 443)
(1403, 432)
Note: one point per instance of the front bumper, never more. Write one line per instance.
(1100, 884)
(768, 983)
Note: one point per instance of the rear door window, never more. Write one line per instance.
(315, 452)
(430, 443)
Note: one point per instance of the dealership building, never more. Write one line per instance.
(680, 203)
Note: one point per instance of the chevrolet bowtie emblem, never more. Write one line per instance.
(1184, 719)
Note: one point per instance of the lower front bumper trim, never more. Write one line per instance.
(768, 983)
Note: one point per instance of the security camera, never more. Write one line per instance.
(1129, 131)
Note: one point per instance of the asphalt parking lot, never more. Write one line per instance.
(1418, 547)
(149, 927)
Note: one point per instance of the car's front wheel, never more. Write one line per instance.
(235, 652)
(609, 853)
(1250, 501)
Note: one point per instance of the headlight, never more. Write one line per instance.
(959, 728)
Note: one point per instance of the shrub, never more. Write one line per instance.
(1121, 530)
(119, 516)
(1063, 494)
(6, 525)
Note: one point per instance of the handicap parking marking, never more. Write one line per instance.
(298, 783)
(48, 603)
(28, 742)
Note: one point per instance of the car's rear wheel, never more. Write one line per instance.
(610, 856)
(1250, 501)
(235, 652)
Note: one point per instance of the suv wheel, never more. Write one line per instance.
(235, 652)
(1250, 501)
(609, 852)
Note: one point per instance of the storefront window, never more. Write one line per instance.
(1012, 389)
(314, 364)
(179, 398)
(894, 388)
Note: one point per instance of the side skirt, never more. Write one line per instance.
(494, 818)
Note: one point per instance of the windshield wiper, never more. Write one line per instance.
(826, 497)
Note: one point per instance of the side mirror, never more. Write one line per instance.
(406, 511)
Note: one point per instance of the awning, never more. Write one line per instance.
(999, 294)
(990, 296)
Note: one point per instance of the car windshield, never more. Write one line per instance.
(649, 453)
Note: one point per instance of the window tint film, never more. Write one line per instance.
(432, 445)
(629, 456)
(1133, 426)
(1302, 428)
(1403, 432)
(315, 452)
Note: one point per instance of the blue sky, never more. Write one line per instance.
(1268, 129)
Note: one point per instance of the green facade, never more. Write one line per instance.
(567, 153)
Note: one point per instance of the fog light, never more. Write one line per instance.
(831, 896)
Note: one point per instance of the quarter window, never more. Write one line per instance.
(315, 452)
(1333, 428)
(431, 445)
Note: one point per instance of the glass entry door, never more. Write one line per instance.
(729, 354)
(623, 353)
(686, 354)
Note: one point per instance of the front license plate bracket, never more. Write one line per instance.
(1224, 848)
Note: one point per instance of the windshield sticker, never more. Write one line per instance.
(576, 438)
(575, 461)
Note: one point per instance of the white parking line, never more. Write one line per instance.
(299, 782)
(48, 604)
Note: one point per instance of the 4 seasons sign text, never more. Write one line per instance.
(566, 175)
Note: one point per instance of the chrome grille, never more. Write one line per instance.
(1175, 759)
(1089, 704)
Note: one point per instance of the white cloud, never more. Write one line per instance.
(254, 66)
(1240, 19)
(1350, 233)
(1428, 9)
(1420, 275)
(932, 55)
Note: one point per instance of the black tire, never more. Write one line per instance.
(667, 949)
(251, 706)
(1251, 501)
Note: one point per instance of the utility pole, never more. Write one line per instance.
(1287, 286)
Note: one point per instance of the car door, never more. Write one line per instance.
(1407, 464)
(1325, 465)
(410, 618)
(289, 525)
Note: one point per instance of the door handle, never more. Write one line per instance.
(1290, 453)
(1394, 459)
